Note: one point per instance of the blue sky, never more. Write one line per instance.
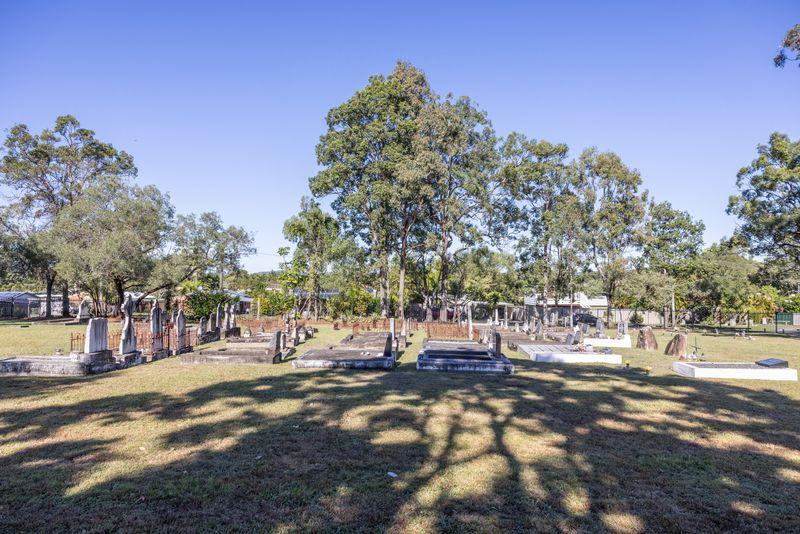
(221, 104)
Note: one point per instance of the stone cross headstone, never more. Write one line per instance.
(83, 310)
(600, 328)
(127, 343)
(96, 336)
(180, 322)
(156, 329)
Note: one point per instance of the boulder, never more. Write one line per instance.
(646, 339)
(677, 346)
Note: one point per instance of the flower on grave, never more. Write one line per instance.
(627, 364)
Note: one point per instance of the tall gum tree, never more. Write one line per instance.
(615, 208)
(367, 156)
(48, 172)
(458, 146)
(535, 177)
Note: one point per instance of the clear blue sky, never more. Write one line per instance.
(221, 104)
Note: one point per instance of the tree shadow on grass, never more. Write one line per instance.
(557, 448)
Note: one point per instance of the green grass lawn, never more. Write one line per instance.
(583, 447)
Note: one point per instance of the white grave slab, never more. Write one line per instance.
(567, 354)
(615, 343)
(735, 370)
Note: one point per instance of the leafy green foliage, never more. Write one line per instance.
(790, 44)
(768, 204)
(201, 302)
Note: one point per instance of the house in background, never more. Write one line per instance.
(18, 304)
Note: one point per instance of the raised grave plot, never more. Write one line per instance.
(567, 354)
(462, 356)
(370, 350)
(735, 370)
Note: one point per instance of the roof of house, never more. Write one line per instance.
(13, 296)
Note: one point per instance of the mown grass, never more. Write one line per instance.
(165, 446)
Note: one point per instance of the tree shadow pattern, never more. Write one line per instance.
(559, 448)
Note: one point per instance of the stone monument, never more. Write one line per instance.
(157, 349)
(128, 352)
(181, 334)
(83, 311)
(646, 339)
(600, 328)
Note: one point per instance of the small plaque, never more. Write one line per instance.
(773, 362)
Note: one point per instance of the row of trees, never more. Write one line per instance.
(431, 206)
(75, 218)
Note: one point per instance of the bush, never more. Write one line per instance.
(201, 303)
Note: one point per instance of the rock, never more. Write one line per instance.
(677, 346)
(646, 339)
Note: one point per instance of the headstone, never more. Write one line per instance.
(578, 336)
(469, 320)
(539, 330)
(553, 318)
(570, 338)
(646, 339)
(127, 343)
(180, 322)
(156, 330)
(96, 336)
(600, 328)
(677, 346)
(584, 328)
(212, 321)
(201, 326)
(83, 310)
(496, 316)
(429, 316)
(391, 328)
(174, 316)
(498, 344)
(218, 316)
(622, 328)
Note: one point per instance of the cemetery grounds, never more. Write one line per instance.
(166, 446)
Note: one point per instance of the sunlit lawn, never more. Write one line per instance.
(165, 446)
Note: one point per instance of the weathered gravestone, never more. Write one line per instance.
(83, 311)
(157, 349)
(539, 330)
(600, 328)
(584, 328)
(646, 339)
(127, 344)
(622, 328)
(181, 334)
(677, 346)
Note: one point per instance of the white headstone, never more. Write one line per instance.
(83, 309)
(127, 344)
(96, 335)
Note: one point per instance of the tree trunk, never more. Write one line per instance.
(48, 305)
(120, 291)
(401, 284)
(65, 300)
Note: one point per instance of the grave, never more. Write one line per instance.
(157, 349)
(263, 348)
(369, 350)
(770, 369)
(184, 345)
(464, 356)
(129, 354)
(95, 358)
(545, 353)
